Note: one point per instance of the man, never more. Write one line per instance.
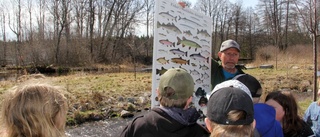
(174, 117)
(227, 68)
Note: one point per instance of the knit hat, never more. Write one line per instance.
(251, 82)
(179, 80)
(227, 99)
(266, 124)
(229, 44)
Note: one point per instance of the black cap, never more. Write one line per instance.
(251, 82)
(227, 99)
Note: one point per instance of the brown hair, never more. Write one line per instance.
(167, 102)
(291, 123)
(34, 110)
(219, 130)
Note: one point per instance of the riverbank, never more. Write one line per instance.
(101, 96)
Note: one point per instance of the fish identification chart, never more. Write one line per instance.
(182, 39)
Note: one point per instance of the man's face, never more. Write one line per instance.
(229, 58)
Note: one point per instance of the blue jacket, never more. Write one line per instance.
(311, 116)
(266, 122)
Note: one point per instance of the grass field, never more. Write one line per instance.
(104, 95)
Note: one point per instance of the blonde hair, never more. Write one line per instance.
(219, 130)
(167, 102)
(33, 110)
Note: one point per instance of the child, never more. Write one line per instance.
(287, 113)
(34, 110)
(230, 113)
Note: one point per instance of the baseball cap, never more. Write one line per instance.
(179, 80)
(251, 83)
(229, 44)
(227, 99)
(266, 124)
(231, 83)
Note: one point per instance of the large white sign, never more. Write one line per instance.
(182, 39)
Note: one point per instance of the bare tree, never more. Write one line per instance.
(148, 8)
(311, 21)
(16, 28)
(4, 38)
(80, 14)
(212, 8)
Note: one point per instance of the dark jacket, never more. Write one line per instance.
(306, 131)
(217, 75)
(157, 123)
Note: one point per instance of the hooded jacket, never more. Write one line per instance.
(266, 122)
(157, 123)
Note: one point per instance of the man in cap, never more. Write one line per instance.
(227, 68)
(174, 117)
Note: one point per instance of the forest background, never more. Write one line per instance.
(89, 32)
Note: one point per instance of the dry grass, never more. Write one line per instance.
(293, 70)
(106, 94)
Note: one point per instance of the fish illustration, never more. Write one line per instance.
(204, 76)
(162, 60)
(167, 42)
(205, 53)
(187, 26)
(189, 21)
(162, 51)
(196, 37)
(161, 34)
(194, 18)
(161, 71)
(199, 57)
(194, 72)
(205, 46)
(180, 61)
(186, 42)
(169, 26)
(203, 32)
(168, 16)
(188, 33)
(180, 12)
(193, 64)
(204, 67)
(200, 92)
(205, 85)
(204, 40)
(178, 52)
(199, 81)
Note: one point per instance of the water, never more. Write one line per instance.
(105, 128)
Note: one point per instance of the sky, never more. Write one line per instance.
(246, 3)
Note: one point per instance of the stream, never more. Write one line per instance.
(104, 128)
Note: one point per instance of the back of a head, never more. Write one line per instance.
(252, 83)
(291, 121)
(175, 87)
(32, 110)
(230, 111)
